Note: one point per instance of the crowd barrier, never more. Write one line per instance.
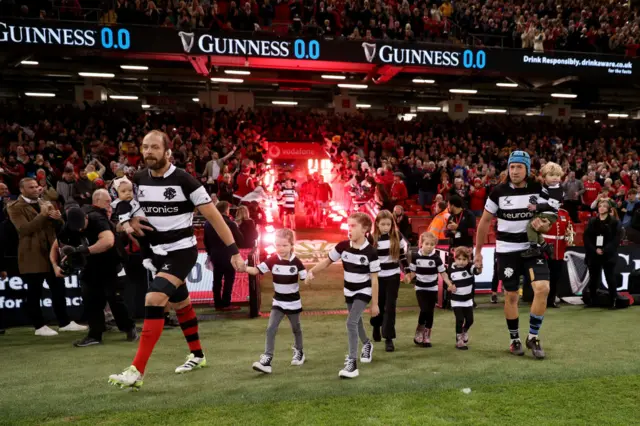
(13, 291)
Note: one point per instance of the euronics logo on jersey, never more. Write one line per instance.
(392, 54)
(207, 43)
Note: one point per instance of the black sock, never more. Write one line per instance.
(512, 325)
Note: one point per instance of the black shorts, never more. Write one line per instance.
(511, 266)
(289, 210)
(178, 263)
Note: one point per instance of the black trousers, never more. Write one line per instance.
(495, 280)
(555, 271)
(464, 318)
(427, 301)
(387, 299)
(98, 288)
(572, 207)
(595, 279)
(34, 293)
(222, 295)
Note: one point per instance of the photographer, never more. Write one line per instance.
(87, 244)
(601, 240)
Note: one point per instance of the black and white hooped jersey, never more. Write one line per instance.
(358, 264)
(168, 203)
(286, 273)
(550, 199)
(463, 279)
(123, 210)
(510, 206)
(289, 197)
(426, 268)
(389, 267)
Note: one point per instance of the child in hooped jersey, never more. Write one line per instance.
(462, 273)
(361, 267)
(286, 269)
(426, 265)
(392, 253)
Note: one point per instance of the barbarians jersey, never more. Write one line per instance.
(388, 266)
(358, 264)
(510, 206)
(427, 268)
(463, 279)
(286, 273)
(168, 202)
(123, 211)
(289, 197)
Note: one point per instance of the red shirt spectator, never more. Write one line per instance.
(399, 191)
(591, 189)
(478, 195)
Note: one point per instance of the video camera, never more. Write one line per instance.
(74, 259)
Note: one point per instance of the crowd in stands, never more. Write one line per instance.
(73, 151)
(573, 25)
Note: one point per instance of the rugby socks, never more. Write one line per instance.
(151, 331)
(512, 326)
(189, 325)
(535, 322)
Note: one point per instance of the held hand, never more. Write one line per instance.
(541, 225)
(58, 271)
(3, 275)
(451, 288)
(452, 226)
(139, 226)
(309, 278)
(238, 263)
(599, 251)
(375, 310)
(407, 279)
(531, 207)
(478, 261)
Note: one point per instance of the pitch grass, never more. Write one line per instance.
(591, 376)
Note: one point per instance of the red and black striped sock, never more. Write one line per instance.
(189, 325)
(151, 331)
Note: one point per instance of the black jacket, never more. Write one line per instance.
(216, 248)
(611, 232)
(249, 233)
(463, 235)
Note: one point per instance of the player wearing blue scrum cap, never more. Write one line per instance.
(509, 202)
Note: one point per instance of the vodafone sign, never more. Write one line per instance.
(295, 151)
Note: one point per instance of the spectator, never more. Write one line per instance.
(83, 188)
(573, 191)
(477, 197)
(404, 223)
(247, 227)
(398, 190)
(221, 260)
(36, 222)
(438, 225)
(225, 191)
(591, 190)
(601, 240)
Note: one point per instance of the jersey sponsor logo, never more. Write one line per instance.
(540, 262)
(163, 209)
(169, 194)
(519, 215)
(141, 193)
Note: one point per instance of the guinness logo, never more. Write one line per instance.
(187, 40)
(369, 51)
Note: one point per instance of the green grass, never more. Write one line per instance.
(591, 376)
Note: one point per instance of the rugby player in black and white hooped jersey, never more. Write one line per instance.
(168, 197)
(509, 202)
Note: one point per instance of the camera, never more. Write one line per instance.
(73, 261)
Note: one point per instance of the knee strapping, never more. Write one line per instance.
(162, 285)
(181, 294)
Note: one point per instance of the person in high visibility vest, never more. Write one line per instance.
(438, 225)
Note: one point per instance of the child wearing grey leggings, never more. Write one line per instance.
(286, 269)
